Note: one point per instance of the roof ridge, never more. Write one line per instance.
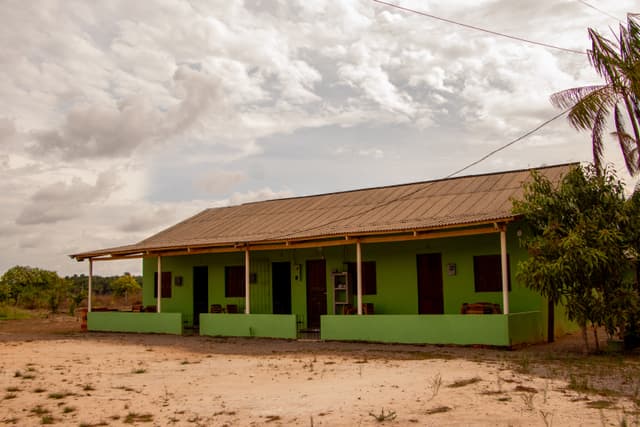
(407, 184)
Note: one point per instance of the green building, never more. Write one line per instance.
(428, 262)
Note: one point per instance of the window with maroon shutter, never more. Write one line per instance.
(166, 284)
(487, 272)
(234, 281)
(369, 281)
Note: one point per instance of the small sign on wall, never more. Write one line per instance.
(451, 269)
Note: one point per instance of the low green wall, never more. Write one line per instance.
(488, 329)
(526, 327)
(249, 325)
(114, 321)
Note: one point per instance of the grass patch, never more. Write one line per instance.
(12, 389)
(39, 390)
(382, 416)
(9, 396)
(600, 404)
(39, 410)
(99, 423)
(68, 409)
(133, 417)
(88, 387)
(59, 395)
(47, 419)
(139, 371)
(464, 383)
(438, 410)
(525, 389)
(13, 313)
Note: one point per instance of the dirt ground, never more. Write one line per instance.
(52, 373)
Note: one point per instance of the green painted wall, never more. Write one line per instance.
(113, 321)
(251, 325)
(397, 290)
(419, 329)
(497, 330)
(526, 328)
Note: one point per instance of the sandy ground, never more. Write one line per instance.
(71, 378)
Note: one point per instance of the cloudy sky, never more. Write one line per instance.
(120, 118)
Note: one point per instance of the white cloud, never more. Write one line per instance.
(62, 201)
(265, 193)
(219, 182)
(112, 111)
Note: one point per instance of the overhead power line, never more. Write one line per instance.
(484, 30)
(419, 189)
(599, 10)
(509, 144)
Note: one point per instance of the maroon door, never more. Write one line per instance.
(316, 292)
(430, 299)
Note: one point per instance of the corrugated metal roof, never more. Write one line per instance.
(425, 205)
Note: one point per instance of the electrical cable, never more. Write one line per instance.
(599, 10)
(520, 138)
(484, 30)
(421, 188)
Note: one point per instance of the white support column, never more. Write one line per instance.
(89, 288)
(359, 275)
(159, 283)
(505, 270)
(247, 277)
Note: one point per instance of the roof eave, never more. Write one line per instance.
(411, 233)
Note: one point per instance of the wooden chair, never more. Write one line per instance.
(215, 308)
(367, 308)
(232, 308)
(349, 309)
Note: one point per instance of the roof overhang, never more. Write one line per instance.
(140, 251)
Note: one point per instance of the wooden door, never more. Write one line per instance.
(200, 292)
(281, 283)
(430, 299)
(316, 292)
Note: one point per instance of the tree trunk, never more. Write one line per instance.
(595, 337)
(585, 338)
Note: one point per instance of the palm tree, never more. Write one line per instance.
(618, 63)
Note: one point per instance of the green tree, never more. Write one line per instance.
(31, 287)
(577, 244)
(124, 285)
(618, 63)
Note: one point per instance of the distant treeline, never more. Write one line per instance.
(100, 285)
(31, 287)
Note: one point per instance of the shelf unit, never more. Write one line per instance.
(341, 294)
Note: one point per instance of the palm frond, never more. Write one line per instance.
(604, 57)
(628, 144)
(569, 97)
(586, 112)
